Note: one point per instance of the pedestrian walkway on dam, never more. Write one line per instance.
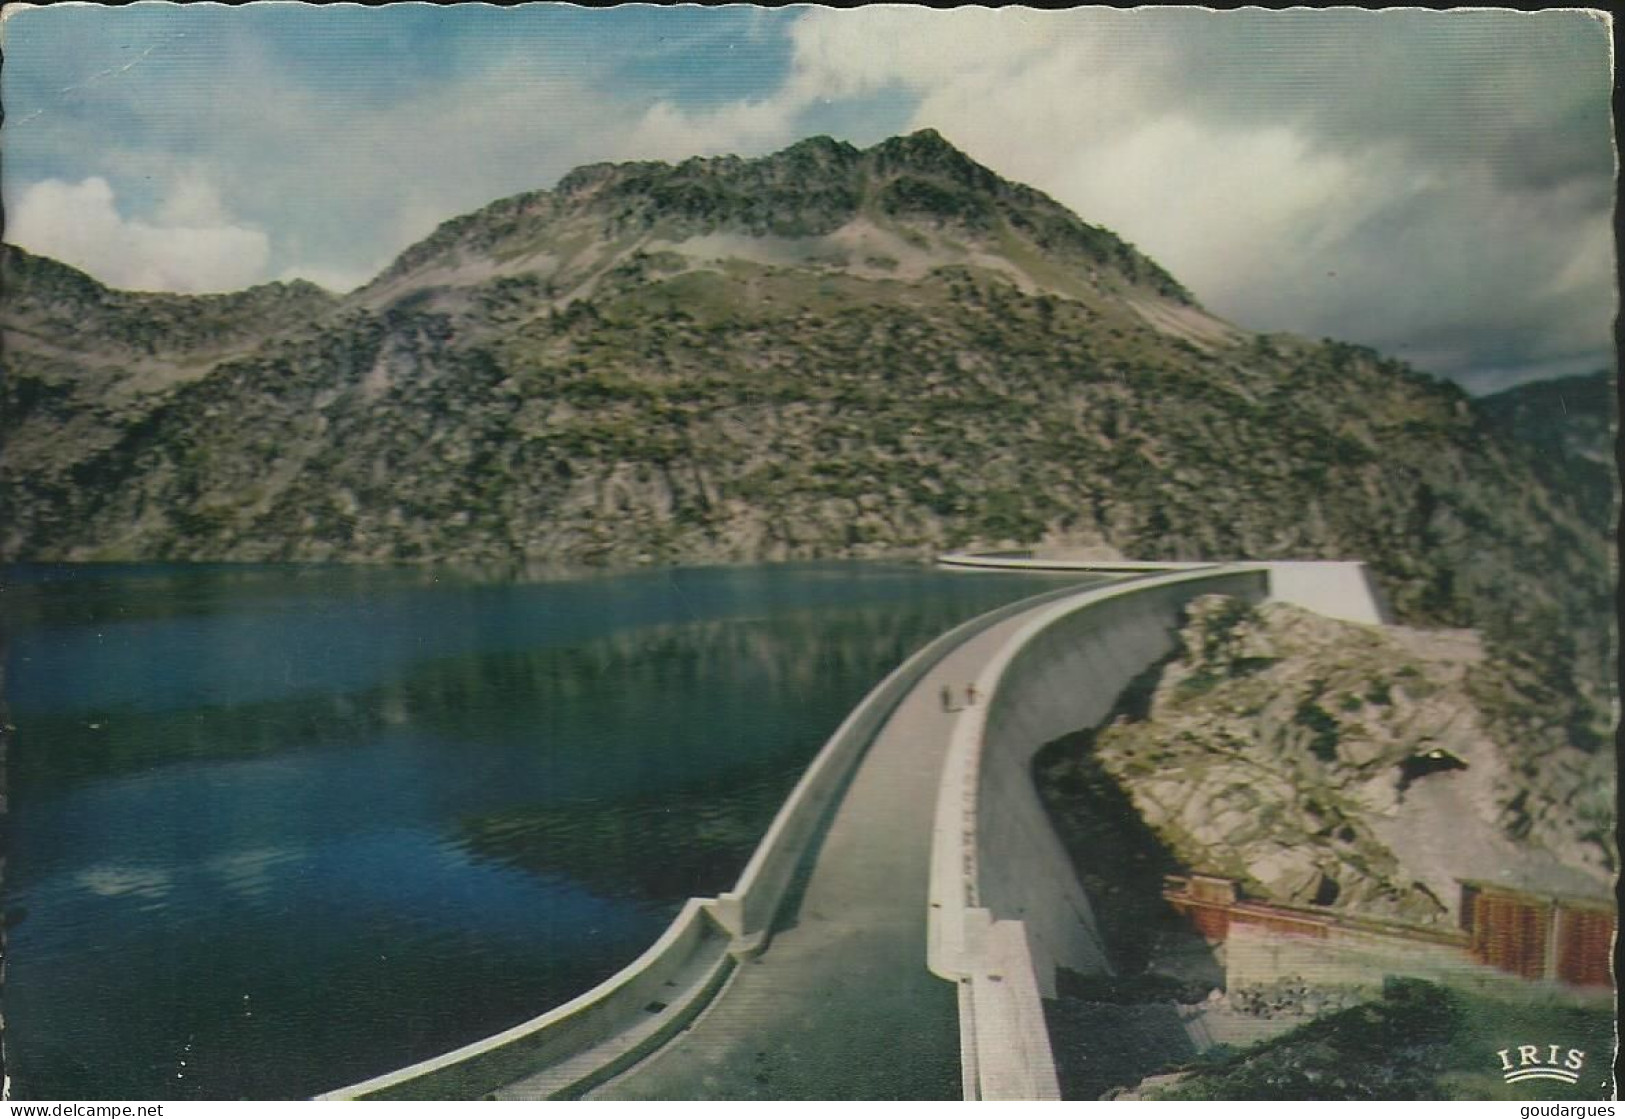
(841, 1005)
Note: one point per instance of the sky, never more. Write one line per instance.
(1438, 185)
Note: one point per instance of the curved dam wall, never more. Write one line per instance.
(1341, 589)
(1006, 907)
(1065, 676)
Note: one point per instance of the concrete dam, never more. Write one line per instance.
(897, 929)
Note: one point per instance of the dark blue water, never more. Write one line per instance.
(277, 829)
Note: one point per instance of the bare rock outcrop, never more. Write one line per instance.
(1321, 762)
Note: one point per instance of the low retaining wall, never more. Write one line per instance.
(1265, 941)
(1348, 956)
(1344, 957)
(572, 1047)
(998, 870)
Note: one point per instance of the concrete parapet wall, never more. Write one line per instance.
(1007, 1015)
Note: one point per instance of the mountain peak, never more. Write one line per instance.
(920, 142)
(822, 147)
(917, 187)
(929, 151)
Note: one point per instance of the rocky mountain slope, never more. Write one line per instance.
(1568, 426)
(827, 351)
(1321, 762)
(1569, 417)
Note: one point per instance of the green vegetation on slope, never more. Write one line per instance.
(1567, 427)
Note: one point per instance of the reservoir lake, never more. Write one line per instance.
(276, 829)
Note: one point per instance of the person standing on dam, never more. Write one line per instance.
(947, 698)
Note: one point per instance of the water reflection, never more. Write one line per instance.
(293, 827)
(703, 837)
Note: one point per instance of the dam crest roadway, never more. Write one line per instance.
(900, 923)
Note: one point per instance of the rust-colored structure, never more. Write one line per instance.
(1566, 938)
(1585, 946)
(1540, 937)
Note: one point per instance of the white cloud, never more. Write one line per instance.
(1286, 198)
(840, 55)
(743, 128)
(192, 202)
(284, 176)
(191, 246)
(1256, 222)
(845, 53)
(348, 191)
